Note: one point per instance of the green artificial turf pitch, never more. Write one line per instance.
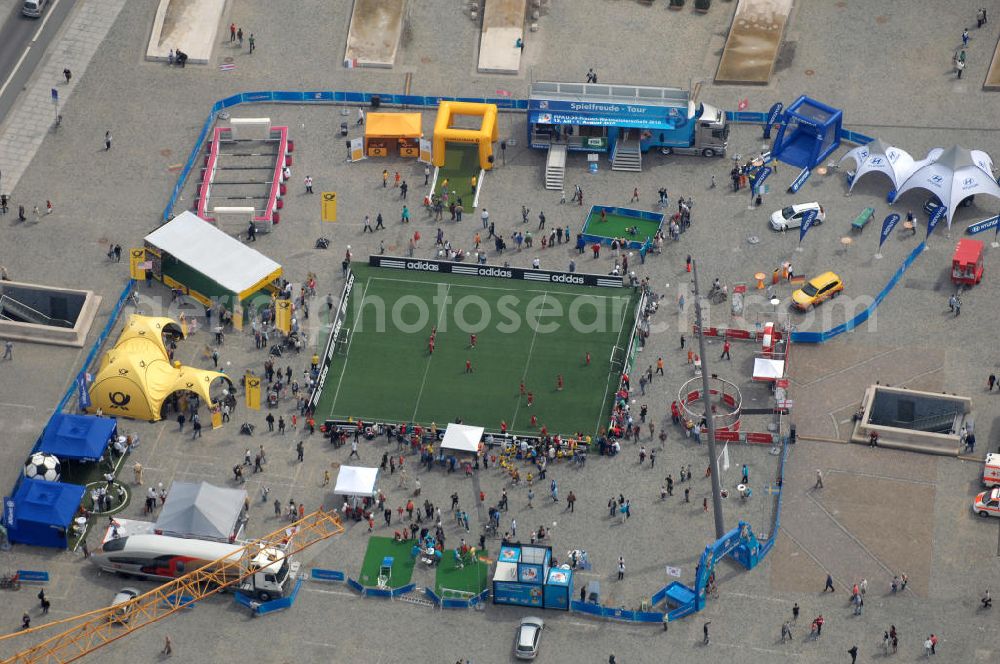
(387, 373)
(461, 164)
(617, 225)
(378, 549)
(472, 578)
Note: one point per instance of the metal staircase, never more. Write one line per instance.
(555, 167)
(627, 157)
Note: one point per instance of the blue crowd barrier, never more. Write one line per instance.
(659, 595)
(402, 590)
(351, 583)
(326, 575)
(32, 576)
(820, 337)
(432, 596)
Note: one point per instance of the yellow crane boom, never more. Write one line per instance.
(89, 631)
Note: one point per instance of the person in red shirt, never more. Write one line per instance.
(588, 359)
(544, 432)
(531, 398)
(468, 366)
(522, 388)
(472, 340)
(725, 350)
(503, 427)
(534, 421)
(430, 345)
(559, 383)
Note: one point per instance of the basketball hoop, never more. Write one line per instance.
(724, 403)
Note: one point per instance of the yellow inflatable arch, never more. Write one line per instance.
(484, 137)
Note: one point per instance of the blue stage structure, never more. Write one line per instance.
(809, 132)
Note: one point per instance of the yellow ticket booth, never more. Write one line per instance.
(393, 134)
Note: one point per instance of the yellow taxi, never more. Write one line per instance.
(818, 289)
(987, 503)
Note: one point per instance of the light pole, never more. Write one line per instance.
(713, 459)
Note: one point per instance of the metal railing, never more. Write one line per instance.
(28, 314)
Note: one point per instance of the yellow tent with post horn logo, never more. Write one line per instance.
(136, 376)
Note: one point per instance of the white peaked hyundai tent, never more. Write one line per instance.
(877, 157)
(462, 438)
(201, 510)
(356, 481)
(953, 176)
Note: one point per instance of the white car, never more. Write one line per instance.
(121, 613)
(987, 503)
(528, 634)
(791, 216)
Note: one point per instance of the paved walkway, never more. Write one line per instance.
(33, 117)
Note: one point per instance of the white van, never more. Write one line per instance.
(33, 7)
(991, 471)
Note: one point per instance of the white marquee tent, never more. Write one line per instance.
(462, 438)
(356, 481)
(877, 157)
(953, 176)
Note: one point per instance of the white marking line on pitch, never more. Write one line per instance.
(347, 353)
(430, 359)
(527, 362)
(612, 371)
(16, 405)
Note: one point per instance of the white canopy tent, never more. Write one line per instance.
(877, 157)
(953, 176)
(356, 481)
(767, 369)
(462, 438)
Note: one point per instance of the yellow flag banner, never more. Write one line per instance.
(252, 390)
(283, 315)
(135, 259)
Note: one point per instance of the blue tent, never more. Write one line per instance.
(809, 132)
(42, 512)
(77, 437)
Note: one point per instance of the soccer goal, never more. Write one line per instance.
(617, 360)
(340, 343)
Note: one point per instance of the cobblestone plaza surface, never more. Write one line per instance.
(880, 512)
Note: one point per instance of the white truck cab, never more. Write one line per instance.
(273, 575)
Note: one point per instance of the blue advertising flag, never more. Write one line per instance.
(984, 225)
(758, 178)
(807, 222)
(799, 180)
(887, 225)
(772, 115)
(9, 517)
(83, 394)
(935, 218)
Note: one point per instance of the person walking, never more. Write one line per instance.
(819, 479)
(8, 350)
(300, 451)
(253, 44)
(168, 648)
(68, 74)
(965, 37)
(361, 117)
(704, 630)
(309, 184)
(853, 652)
(990, 382)
(786, 632)
(232, 32)
(107, 140)
(621, 567)
(571, 503)
(795, 613)
(959, 67)
(725, 351)
(829, 584)
(354, 450)
(427, 175)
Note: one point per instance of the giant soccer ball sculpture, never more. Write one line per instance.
(42, 466)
